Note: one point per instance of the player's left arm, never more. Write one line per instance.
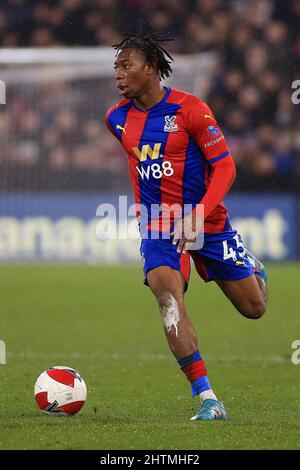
(210, 139)
(222, 177)
(205, 131)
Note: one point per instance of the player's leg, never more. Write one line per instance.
(240, 275)
(168, 286)
(248, 295)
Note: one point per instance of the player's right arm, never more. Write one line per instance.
(109, 122)
(115, 119)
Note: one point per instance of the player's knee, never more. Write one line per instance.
(254, 309)
(170, 312)
(166, 302)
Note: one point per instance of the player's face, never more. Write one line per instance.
(133, 73)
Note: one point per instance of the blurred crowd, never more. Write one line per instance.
(56, 138)
(258, 48)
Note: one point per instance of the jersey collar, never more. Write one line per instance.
(164, 98)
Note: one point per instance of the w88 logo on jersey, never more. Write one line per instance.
(156, 170)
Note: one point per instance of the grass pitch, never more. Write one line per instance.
(105, 323)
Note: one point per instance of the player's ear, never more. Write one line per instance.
(150, 69)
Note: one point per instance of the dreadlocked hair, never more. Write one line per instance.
(149, 45)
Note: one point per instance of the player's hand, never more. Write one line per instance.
(186, 231)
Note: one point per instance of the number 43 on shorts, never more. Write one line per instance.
(229, 252)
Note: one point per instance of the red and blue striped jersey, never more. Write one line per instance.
(171, 148)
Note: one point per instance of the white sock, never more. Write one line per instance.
(207, 394)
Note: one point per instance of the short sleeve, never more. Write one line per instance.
(205, 130)
(109, 124)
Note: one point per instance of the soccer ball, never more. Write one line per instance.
(60, 390)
